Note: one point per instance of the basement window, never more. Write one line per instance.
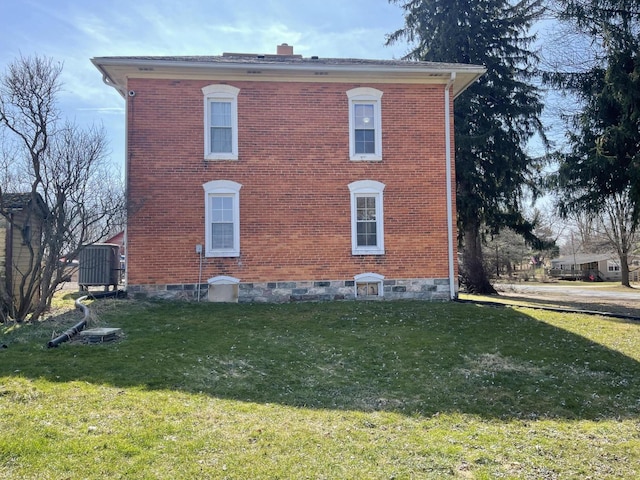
(223, 289)
(369, 285)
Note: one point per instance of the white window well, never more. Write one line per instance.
(220, 122)
(365, 124)
(367, 217)
(369, 285)
(222, 218)
(223, 289)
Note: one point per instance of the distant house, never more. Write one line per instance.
(593, 267)
(21, 219)
(274, 177)
(117, 239)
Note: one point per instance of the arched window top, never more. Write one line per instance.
(368, 277)
(223, 280)
(364, 93)
(222, 186)
(220, 88)
(366, 186)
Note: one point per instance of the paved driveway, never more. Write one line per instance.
(572, 291)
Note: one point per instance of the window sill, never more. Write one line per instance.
(367, 252)
(214, 158)
(365, 158)
(221, 254)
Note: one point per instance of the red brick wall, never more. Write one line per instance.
(294, 169)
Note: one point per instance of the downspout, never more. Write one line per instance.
(447, 131)
(128, 121)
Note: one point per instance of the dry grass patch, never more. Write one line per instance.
(492, 363)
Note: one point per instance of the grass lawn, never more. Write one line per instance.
(345, 390)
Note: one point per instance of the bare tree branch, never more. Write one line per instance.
(66, 170)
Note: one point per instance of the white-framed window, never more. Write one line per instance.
(367, 217)
(222, 218)
(220, 122)
(365, 123)
(368, 285)
(612, 266)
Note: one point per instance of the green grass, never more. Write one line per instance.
(347, 390)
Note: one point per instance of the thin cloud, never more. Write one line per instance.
(73, 32)
(117, 110)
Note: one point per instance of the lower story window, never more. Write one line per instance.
(366, 223)
(367, 220)
(222, 222)
(222, 217)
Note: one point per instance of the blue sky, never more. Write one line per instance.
(74, 31)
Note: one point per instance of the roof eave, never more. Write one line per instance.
(113, 68)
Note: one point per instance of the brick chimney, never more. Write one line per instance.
(285, 49)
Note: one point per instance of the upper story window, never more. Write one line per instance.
(365, 124)
(222, 218)
(367, 219)
(220, 122)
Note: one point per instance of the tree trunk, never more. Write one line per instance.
(474, 276)
(624, 271)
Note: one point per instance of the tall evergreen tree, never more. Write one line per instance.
(494, 118)
(604, 137)
(601, 167)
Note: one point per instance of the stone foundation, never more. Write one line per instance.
(279, 292)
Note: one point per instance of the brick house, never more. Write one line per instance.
(278, 177)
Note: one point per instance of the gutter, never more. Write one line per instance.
(447, 132)
(438, 69)
(106, 79)
(116, 70)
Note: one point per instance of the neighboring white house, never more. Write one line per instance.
(593, 267)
